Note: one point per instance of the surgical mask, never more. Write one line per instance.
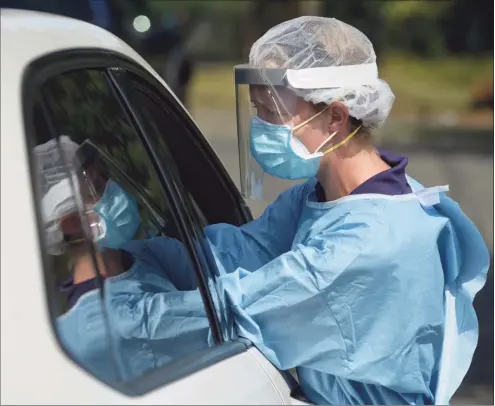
(119, 214)
(283, 155)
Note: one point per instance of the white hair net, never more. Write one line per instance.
(56, 188)
(316, 42)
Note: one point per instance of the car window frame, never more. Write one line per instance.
(34, 76)
(176, 203)
(191, 212)
(144, 198)
(233, 209)
(244, 213)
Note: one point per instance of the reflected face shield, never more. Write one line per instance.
(113, 214)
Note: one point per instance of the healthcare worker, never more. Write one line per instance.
(360, 277)
(109, 341)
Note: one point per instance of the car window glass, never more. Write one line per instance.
(152, 311)
(79, 318)
(199, 168)
(160, 126)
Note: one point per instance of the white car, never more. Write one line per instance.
(61, 76)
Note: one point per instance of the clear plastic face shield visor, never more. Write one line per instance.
(92, 179)
(88, 181)
(267, 102)
(72, 183)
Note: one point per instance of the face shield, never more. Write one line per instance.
(268, 104)
(81, 200)
(66, 194)
(92, 179)
(113, 214)
(62, 207)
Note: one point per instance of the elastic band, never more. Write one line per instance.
(79, 240)
(297, 127)
(333, 76)
(324, 142)
(343, 141)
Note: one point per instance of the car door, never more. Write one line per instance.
(75, 94)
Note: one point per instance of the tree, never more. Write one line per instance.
(367, 16)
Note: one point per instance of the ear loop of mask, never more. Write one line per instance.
(324, 142)
(333, 148)
(297, 127)
(307, 121)
(343, 141)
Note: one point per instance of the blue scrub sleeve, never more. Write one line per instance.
(261, 240)
(172, 258)
(173, 323)
(151, 329)
(250, 246)
(329, 305)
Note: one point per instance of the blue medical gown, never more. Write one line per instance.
(355, 293)
(153, 315)
(369, 297)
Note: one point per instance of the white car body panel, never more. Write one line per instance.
(34, 370)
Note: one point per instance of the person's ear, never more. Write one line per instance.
(339, 115)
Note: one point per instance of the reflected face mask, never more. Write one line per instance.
(119, 213)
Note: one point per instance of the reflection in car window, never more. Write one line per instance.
(199, 169)
(120, 233)
(84, 107)
(160, 127)
(69, 251)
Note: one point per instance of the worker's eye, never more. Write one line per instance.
(268, 110)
